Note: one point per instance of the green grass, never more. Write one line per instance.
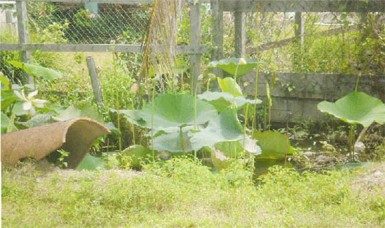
(183, 193)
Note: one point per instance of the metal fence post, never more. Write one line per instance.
(195, 43)
(217, 37)
(22, 28)
(240, 34)
(217, 28)
(95, 80)
(299, 31)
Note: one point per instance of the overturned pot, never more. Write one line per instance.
(75, 136)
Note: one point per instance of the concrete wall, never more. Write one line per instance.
(296, 95)
(8, 20)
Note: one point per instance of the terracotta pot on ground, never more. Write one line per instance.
(75, 136)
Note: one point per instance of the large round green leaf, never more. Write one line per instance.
(224, 153)
(90, 162)
(274, 145)
(234, 66)
(231, 149)
(237, 149)
(223, 100)
(225, 128)
(220, 160)
(356, 108)
(173, 111)
(137, 154)
(173, 142)
(229, 85)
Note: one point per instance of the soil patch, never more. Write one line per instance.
(372, 180)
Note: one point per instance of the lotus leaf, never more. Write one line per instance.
(225, 128)
(234, 66)
(90, 162)
(223, 100)
(356, 108)
(229, 85)
(232, 149)
(274, 145)
(137, 153)
(172, 111)
(173, 142)
(220, 160)
(224, 153)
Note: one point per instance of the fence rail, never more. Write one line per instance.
(181, 49)
(305, 5)
(87, 43)
(266, 5)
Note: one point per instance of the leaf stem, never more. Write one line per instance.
(182, 139)
(236, 73)
(357, 81)
(254, 123)
(270, 103)
(351, 141)
(152, 124)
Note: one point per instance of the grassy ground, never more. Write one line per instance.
(183, 193)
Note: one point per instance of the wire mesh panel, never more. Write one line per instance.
(301, 42)
(103, 23)
(319, 42)
(322, 36)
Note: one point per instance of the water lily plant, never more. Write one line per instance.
(275, 148)
(230, 97)
(29, 102)
(235, 66)
(356, 108)
(183, 123)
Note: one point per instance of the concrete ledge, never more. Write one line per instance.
(296, 95)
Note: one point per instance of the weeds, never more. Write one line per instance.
(182, 192)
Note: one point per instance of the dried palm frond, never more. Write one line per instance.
(160, 41)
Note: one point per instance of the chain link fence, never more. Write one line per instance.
(320, 42)
(89, 23)
(307, 57)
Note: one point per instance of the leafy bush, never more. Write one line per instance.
(15, 75)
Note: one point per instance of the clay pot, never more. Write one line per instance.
(75, 136)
